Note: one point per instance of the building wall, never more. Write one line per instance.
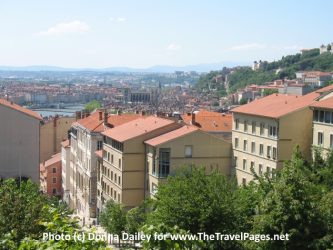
(291, 132)
(210, 152)
(52, 134)
(19, 144)
(65, 167)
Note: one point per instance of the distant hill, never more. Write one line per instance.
(154, 69)
(287, 66)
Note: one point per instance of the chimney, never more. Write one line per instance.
(78, 115)
(143, 113)
(100, 115)
(137, 112)
(106, 117)
(193, 118)
(118, 112)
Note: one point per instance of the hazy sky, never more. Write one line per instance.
(142, 33)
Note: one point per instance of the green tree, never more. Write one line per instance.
(243, 101)
(196, 202)
(270, 91)
(291, 206)
(91, 106)
(113, 218)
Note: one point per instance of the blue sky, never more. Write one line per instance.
(143, 33)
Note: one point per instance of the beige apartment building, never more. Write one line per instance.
(187, 146)
(65, 170)
(323, 124)
(266, 130)
(86, 139)
(52, 133)
(19, 142)
(124, 161)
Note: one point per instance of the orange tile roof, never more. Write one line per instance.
(54, 159)
(325, 103)
(171, 135)
(210, 121)
(277, 105)
(136, 128)
(65, 144)
(20, 109)
(94, 124)
(99, 153)
(328, 88)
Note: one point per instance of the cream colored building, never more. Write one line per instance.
(187, 146)
(65, 168)
(86, 139)
(124, 159)
(52, 133)
(265, 132)
(323, 124)
(19, 142)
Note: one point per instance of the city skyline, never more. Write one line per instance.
(143, 34)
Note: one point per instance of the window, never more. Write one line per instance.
(244, 164)
(252, 165)
(321, 116)
(253, 147)
(332, 117)
(54, 180)
(269, 151)
(111, 158)
(236, 142)
(119, 163)
(237, 124)
(268, 170)
(244, 181)
(99, 145)
(327, 117)
(331, 141)
(188, 151)
(320, 138)
(245, 126)
(119, 180)
(164, 162)
(245, 145)
(115, 177)
(260, 168)
(114, 194)
(272, 131)
(235, 161)
(54, 191)
(54, 170)
(316, 115)
(111, 175)
(118, 197)
(254, 127)
(262, 128)
(261, 149)
(274, 153)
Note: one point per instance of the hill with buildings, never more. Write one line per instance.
(315, 59)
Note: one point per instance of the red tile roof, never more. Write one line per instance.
(94, 124)
(54, 159)
(65, 144)
(277, 105)
(20, 109)
(210, 121)
(325, 103)
(328, 88)
(171, 135)
(136, 128)
(99, 153)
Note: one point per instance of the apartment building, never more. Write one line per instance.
(266, 130)
(52, 133)
(51, 176)
(19, 142)
(187, 146)
(65, 168)
(124, 161)
(323, 124)
(86, 139)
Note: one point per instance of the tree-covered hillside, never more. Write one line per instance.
(287, 66)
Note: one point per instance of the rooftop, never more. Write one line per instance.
(171, 135)
(325, 103)
(210, 121)
(65, 144)
(94, 124)
(20, 109)
(54, 159)
(277, 105)
(136, 128)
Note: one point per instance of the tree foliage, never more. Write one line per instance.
(91, 106)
